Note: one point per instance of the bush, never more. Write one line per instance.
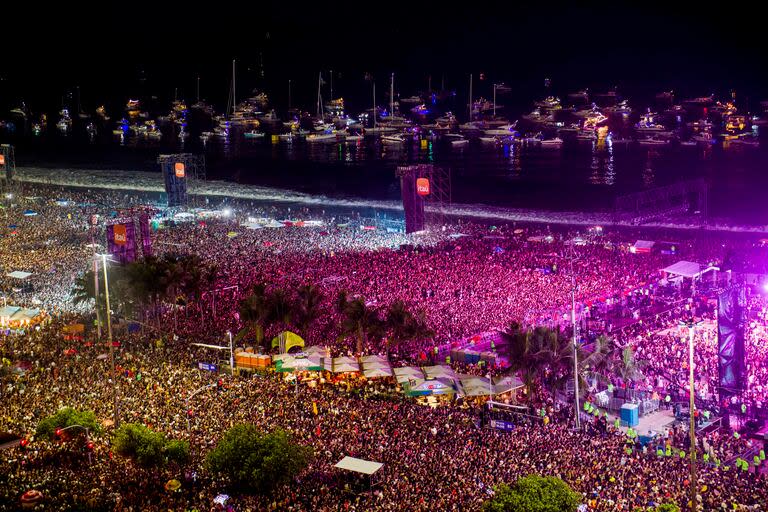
(665, 507)
(534, 494)
(67, 417)
(148, 448)
(257, 461)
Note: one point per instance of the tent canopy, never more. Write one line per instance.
(372, 373)
(683, 268)
(644, 245)
(366, 467)
(286, 340)
(18, 274)
(407, 373)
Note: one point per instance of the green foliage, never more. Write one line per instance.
(257, 461)
(665, 507)
(67, 417)
(177, 451)
(148, 448)
(534, 494)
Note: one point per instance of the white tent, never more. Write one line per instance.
(407, 373)
(433, 372)
(687, 269)
(475, 386)
(18, 274)
(374, 358)
(372, 373)
(345, 364)
(375, 364)
(366, 467)
(316, 350)
(506, 384)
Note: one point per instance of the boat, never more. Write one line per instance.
(411, 99)
(253, 134)
(551, 143)
(221, 132)
(286, 137)
(322, 137)
(394, 139)
(456, 140)
(420, 110)
(503, 130)
(652, 142)
(353, 138)
(586, 135)
(489, 139)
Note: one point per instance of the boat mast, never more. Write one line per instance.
(319, 97)
(234, 100)
(289, 95)
(331, 85)
(470, 97)
(198, 88)
(494, 101)
(374, 105)
(392, 96)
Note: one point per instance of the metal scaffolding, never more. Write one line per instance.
(438, 201)
(7, 164)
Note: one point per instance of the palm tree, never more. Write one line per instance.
(307, 308)
(280, 308)
(359, 321)
(623, 364)
(254, 313)
(530, 354)
(401, 325)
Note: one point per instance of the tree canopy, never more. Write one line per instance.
(256, 461)
(534, 494)
(148, 448)
(64, 418)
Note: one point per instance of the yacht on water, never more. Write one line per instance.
(394, 139)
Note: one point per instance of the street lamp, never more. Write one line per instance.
(691, 325)
(87, 438)
(116, 417)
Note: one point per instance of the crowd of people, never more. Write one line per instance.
(465, 279)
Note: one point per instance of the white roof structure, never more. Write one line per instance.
(439, 371)
(18, 274)
(345, 364)
(644, 244)
(372, 373)
(683, 268)
(407, 373)
(374, 359)
(365, 467)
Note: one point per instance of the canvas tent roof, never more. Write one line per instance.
(374, 358)
(365, 467)
(439, 371)
(644, 244)
(507, 384)
(341, 365)
(371, 373)
(18, 274)
(407, 373)
(683, 268)
(17, 314)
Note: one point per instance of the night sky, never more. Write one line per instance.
(641, 48)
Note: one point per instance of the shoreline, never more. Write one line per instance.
(142, 181)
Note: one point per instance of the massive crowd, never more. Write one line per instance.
(466, 279)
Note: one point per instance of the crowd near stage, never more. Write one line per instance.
(422, 369)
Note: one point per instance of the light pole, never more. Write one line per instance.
(188, 410)
(116, 416)
(575, 344)
(691, 325)
(87, 438)
(231, 355)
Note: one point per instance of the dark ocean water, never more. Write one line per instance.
(580, 176)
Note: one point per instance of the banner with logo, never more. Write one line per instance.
(121, 240)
